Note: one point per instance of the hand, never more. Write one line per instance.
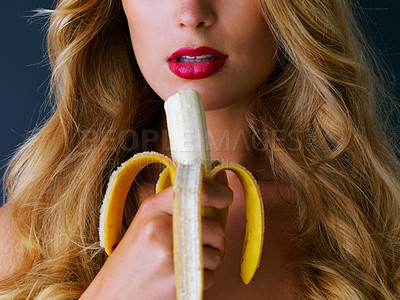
(141, 266)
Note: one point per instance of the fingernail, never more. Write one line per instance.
(221, 177)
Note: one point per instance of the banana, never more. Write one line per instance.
(190, 164)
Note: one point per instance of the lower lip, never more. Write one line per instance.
(196, 70)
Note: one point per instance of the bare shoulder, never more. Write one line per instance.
(9, 249)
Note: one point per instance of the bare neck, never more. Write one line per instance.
(228, 137)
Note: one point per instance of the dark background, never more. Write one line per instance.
(24, 70)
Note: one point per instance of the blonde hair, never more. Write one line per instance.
(315, 117)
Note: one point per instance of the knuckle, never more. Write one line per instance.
(229, 195)
(209, 278)
(216, 194)
(214, 256)
(217, 258)
(158, 230)
(148, 206)
(218, 228)
(213, 228)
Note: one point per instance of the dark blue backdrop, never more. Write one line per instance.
(24, 72)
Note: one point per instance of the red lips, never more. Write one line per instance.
(196, 63)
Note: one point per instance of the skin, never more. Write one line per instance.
(233, 27)
(141, 267)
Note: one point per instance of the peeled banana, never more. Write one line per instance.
(190, 164)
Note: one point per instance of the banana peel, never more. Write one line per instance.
(185, 172)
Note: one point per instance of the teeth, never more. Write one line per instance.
(201, 58)
(197, 57)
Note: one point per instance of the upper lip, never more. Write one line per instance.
(193, 52)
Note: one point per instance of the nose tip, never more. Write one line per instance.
(194, 14)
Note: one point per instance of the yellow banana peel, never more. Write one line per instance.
(190, 164)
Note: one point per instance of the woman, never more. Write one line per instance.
(293, 99)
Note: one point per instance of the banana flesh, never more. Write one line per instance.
(188, 260)
(190, 164)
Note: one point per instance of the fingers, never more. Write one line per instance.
(216, 194)
(211, 258)
(209, 278)
(156, 211)
(213, 233)
(158, 204)
(213, 248)
(213, 194)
